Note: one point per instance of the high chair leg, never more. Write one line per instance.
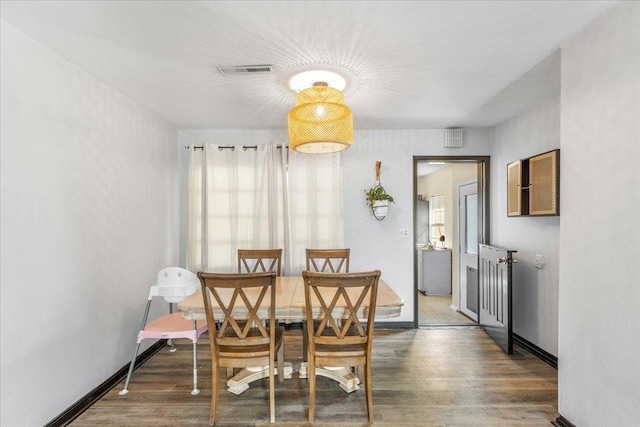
(195, 362)
(135, 353)
(125, 390)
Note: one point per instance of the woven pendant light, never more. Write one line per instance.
(320, 122)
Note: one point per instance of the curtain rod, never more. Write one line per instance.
(231, 147)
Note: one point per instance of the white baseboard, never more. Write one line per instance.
(453, 307)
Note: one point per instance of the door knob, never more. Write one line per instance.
(503, 260)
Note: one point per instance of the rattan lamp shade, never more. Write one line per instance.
(320, 122)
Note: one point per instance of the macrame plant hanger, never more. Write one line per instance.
(379, 211)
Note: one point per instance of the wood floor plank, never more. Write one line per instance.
(436, 310)
(448, 377)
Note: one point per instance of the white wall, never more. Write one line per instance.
(374, 244)
(378, 244)
(89, 214)
(535, 291)
(599, 369)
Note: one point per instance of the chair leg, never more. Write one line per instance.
(272, 388)
(368, 389)
(195, 362)
(215, 374)
(357, 371)
(311, 377)
(125, 390)
(135, 353)
(280, 361)
(170, 341)
(305, 341)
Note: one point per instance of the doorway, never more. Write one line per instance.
(444, 248)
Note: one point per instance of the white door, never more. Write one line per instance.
(468, 248)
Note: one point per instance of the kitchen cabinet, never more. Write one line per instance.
(434, 276)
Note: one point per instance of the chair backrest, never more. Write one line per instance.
(328, 260)
(174, 284)
(240, 301)
(343, 299)
(258, 260)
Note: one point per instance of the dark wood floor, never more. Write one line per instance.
(430, 377)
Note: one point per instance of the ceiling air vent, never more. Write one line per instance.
(241, 69)
(452, 138)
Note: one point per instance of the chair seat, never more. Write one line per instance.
(352, 350)
(171, 326)
(342, 355)
(250, 351)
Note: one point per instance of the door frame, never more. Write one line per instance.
(483, 177)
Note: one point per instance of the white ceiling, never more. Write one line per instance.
(408, 65)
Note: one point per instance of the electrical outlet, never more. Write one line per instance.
(404, 232)
(539, 261)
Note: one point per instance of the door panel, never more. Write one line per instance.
(495, 295)
(472, 290)
(468, 249)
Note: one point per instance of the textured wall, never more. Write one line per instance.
(535, 291)
(89, 214)
(378, 244)
(599, 373)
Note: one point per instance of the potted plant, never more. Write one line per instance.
(379, 201)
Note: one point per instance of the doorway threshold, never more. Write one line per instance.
(449, 326)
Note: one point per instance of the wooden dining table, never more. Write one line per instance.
(290, 306)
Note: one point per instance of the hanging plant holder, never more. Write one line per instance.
(377, 198)
(379, 209)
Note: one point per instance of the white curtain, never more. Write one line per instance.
(315, 205)
(236, 201)
(247, 199)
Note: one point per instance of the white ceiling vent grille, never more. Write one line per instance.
(453, 138)
(242, 69)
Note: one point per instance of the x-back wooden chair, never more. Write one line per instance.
(325, 261)
(328, 260)
(337, 336)
(239, 302)
(256, 260)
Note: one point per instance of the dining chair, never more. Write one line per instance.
(328, 260)
(256, 260)
(239, 303)
(173, 284)
(337, 335)
(323, 260)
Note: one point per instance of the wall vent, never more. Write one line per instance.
(452, 138)
(241, 69)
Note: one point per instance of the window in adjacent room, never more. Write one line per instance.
(436, 219)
